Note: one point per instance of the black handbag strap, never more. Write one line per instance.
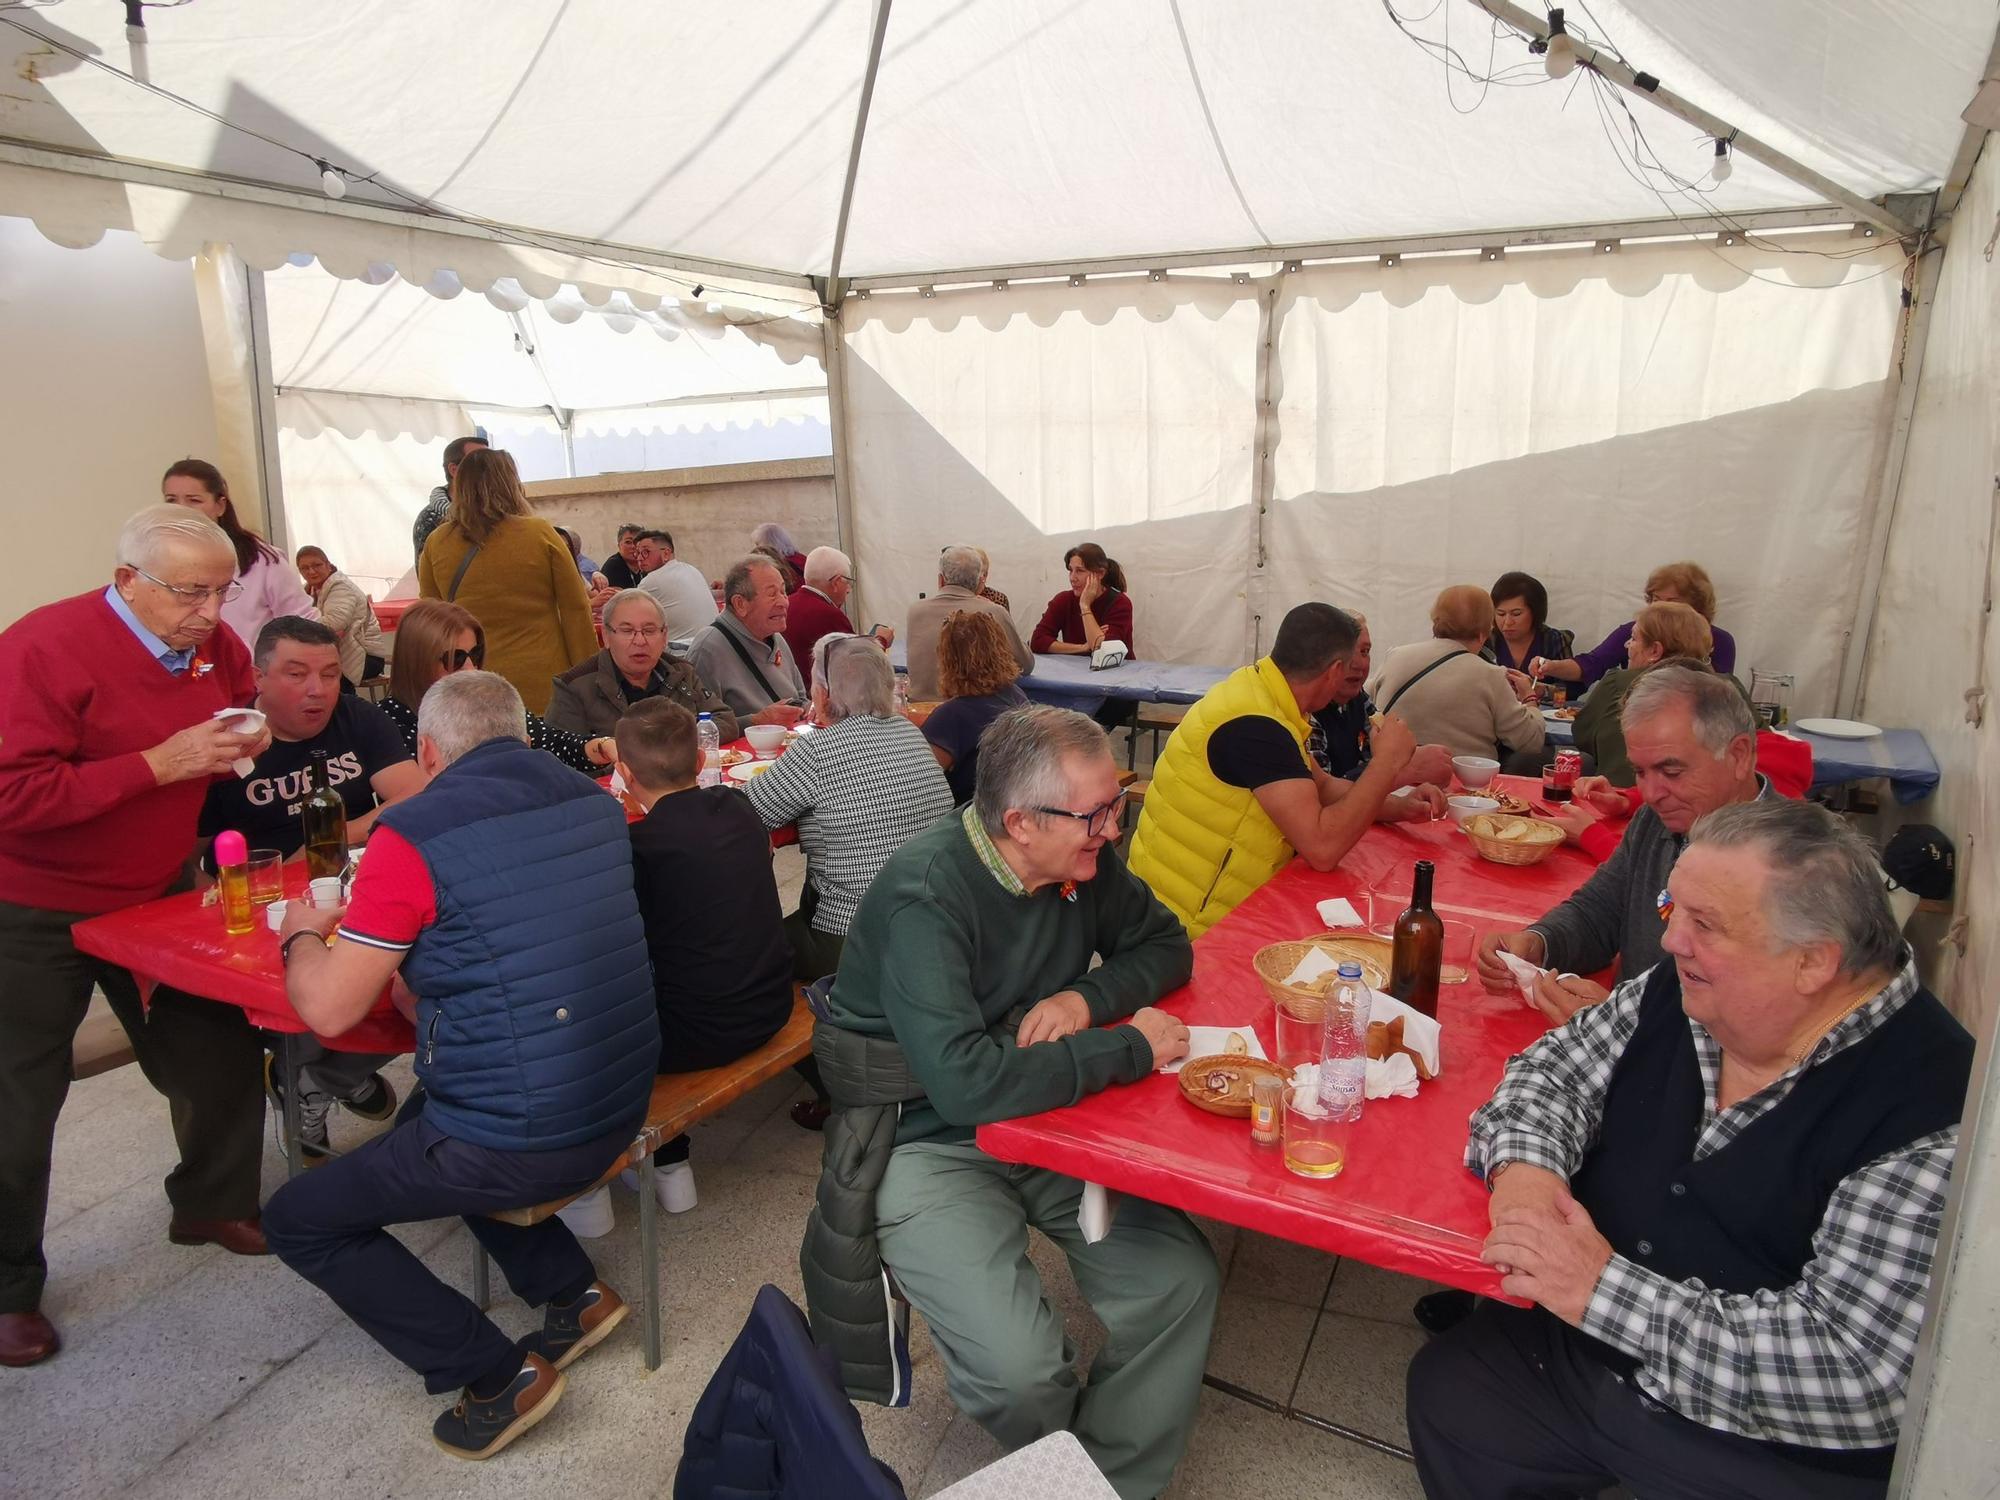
(457, 578)
(1396, 696)
(755, 671)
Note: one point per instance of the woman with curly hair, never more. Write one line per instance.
(976, 671)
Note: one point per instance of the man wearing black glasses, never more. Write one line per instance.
(969, 966)
(623, 571)
(108, 741)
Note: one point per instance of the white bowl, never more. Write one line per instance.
(766, 739)
(1461, 808)
(1474, 770)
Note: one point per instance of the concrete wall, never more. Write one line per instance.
(710, 511)
(104, 383)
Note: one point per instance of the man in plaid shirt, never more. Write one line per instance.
(1721, 1188)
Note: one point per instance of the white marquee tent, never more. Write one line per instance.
(1278, 300)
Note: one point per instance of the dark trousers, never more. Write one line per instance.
(328, 1225)
(1510, 1404)
(204, 1056)
(815, 955)
(686, 1051)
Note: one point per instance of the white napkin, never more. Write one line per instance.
(1110, 654)
(1094, 1212)
(1525, 974)
(617, 783)
(1316, 962)
(1205, 1041)
(252, 721)
(1420, 1032)
(1392, 1077)
(1339, 912)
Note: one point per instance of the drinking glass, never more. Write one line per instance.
(1316, 1138)
(1388, 899)
(1458, 941)
(267, 876)
(1300, 1025)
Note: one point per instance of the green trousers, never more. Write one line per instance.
(953, 1225)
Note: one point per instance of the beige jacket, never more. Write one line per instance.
(926, 619)
(1465, 705)
(347, 612)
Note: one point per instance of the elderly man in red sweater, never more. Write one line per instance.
(108, 743)
(819, 608)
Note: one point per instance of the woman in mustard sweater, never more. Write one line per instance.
(509, 568)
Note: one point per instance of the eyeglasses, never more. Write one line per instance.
(195, 596)
(454, 661)
(637, 632)
(1094, 822)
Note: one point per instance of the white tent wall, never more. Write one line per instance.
(104, 383)
(1029, 419)
(1584, 417)
(357, 471)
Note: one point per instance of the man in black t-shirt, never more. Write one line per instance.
(298, 690)
(1341, 742)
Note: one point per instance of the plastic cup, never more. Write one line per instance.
(1316, 1139)
(326, 891)
(1458, 942)
(267, 876)
(274, 915)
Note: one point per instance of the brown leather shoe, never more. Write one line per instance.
(237, 1236)
(27, 1338)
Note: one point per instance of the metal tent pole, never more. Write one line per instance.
(264, 409)
(877, 33)
(843, 477)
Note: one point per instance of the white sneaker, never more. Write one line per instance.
(589, 1217)
(672, 1185)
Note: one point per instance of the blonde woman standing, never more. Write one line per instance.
(506, 565)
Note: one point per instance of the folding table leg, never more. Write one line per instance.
(482, 1291)
(288, 1060)
(649, 1260)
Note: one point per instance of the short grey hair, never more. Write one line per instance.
(1717, 706)
(824, 564)
(1024, 760)
(1826, 883)
(774, 536)
(463, 710)
(854, 673)
(960, 567)
(630, 596)
(143, 539)
(738, 583)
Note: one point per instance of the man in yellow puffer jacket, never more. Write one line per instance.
(1235, 794)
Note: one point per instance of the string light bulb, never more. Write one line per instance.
(331, 180)
(1560, 59)
(1723, 165)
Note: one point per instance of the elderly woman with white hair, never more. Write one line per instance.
(776, 543)
(859, 788)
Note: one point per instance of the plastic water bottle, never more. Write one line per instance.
(902, 694)
(1343, 1068)
(708, 741)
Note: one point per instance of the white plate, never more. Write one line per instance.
(1837, 729)
(748, 771)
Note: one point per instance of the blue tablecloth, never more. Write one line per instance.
(1069, 682)
(1902, 756)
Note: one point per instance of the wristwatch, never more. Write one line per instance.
(285, 948)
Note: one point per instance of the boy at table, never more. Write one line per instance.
(986, 917)
(107, 741)
(298, 679)
(722, 970)
(501, 898)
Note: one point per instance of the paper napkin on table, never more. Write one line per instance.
(1339, 912)
(1209, 1041)
(1392, 1077)
(1316, 963)
(1420, 1032)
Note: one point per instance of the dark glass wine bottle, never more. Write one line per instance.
(325, 819)
(1417, 952)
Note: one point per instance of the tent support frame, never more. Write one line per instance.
(264, 420)
(876, 34)
(1520, 237)
(1608, 67)
(836, 422)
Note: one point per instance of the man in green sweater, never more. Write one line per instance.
(992, 915)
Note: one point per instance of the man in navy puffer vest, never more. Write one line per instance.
(499, 901)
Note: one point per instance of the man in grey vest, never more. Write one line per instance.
(1721, 1188)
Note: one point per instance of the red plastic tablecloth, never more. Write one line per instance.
(178, 941)
(1405, 1201)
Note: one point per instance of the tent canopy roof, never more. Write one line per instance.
(998, 134)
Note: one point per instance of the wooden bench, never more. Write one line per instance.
(679, 1101)
(1157, 717)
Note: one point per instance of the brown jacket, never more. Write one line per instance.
(590, 699)
(926, 619)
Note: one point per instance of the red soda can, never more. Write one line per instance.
(1569, 766)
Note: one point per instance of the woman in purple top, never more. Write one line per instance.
(976, 671)
(1671, 583)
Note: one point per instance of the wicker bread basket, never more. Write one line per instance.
(1537, 842)
(1307, 1001)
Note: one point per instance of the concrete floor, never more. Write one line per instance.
(194, 1372)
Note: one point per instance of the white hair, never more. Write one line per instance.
(960, 567)
(1024, 760)
(853, 674)
(463, 710)
(629, 596)
(774, 536)
(149, 533)
(824, 564)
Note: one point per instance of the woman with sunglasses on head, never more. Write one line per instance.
(436, 639)
(267, 584)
